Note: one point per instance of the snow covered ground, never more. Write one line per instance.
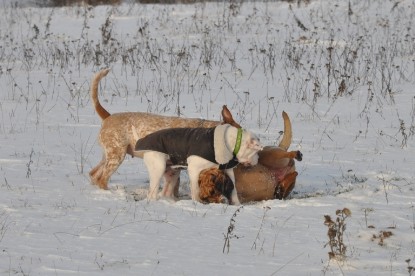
(343, 70)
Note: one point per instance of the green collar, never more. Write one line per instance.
(238, 142)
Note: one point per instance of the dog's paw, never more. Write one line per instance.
(299, 156)
(278, 193)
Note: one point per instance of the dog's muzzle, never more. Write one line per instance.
(224, 200)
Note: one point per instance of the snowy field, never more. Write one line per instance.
(344, 71)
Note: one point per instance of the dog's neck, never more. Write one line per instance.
(225, 139)
(238, 142)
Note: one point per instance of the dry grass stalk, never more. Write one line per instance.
(335, 233)
(230, 235)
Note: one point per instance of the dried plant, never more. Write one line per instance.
(367, 211)
(230, 234)
(29, 170)
(402, 129)
(381, 237)
(410, 268)
(106, 30)
(68, 3)
(4, 224)
(257, 238)
(335, 233)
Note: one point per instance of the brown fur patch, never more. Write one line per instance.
(215, 186)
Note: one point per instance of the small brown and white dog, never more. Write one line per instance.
(223, 147)
(215, 186)
(272, 178)
(116, 135)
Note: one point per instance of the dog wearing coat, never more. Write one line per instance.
(116, 134)
(273, 177)
(167, 150)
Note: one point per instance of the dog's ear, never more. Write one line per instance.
(223, 184)
(228, 187)
(206, 185)
(228, 118)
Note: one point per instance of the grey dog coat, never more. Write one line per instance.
(180, 143)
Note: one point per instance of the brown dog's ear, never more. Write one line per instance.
(206, 185)
(227, 117)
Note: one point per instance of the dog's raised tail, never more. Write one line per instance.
(287, 137)
(94, 94)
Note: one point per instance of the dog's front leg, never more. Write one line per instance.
(234, 195)
(196, 164)
(156, 166)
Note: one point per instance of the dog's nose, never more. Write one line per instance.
(299, 156)
(223, 200)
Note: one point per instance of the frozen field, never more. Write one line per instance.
(343, 70)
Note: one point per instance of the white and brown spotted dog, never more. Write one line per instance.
(223, 146)
(116, 134)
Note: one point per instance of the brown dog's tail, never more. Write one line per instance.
(287, 137)
(94, 94)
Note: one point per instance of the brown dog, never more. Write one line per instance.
(116, 135)
(215, 186)
(272, 178)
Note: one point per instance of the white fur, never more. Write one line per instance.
(156, 166)
(223, 151)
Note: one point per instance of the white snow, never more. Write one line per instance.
(358, 144)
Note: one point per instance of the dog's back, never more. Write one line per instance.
(179, 144)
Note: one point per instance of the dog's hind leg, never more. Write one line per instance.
(156, 166)
(176, 187)
(286, 186)
(171, 183)
(108, 165)
(96, 172)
